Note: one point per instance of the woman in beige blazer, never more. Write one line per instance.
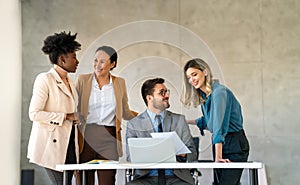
(103, 103)
(53, 139)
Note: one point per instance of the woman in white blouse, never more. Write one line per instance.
(103, 102)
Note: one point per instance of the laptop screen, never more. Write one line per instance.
(151, 150)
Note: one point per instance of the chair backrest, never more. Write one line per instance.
(196, 142)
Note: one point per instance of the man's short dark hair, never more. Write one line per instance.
(148, 87)
(60, 44)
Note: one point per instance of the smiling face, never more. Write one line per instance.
(69, 62)
(102, 63)
(159, 100)
(196, 78)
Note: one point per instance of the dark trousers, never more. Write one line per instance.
(56, 177)
(106, 149)
(236, 149)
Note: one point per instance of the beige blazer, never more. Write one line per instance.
(50, 133)
(84, 86)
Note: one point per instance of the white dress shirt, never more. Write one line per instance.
(102, 104)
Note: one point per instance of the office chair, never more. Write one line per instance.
(128, 175)
(195, 172)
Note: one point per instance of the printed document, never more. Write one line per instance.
(180, 147)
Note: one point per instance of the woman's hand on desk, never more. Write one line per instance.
(220, 160)
(218, 153)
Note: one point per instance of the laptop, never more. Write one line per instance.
(151, 150)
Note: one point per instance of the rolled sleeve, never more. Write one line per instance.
(201, 125)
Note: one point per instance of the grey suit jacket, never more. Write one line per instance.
(141, 126)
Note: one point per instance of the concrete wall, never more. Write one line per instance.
(253, 47)
(10, 94)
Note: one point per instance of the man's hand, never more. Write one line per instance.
(181, 158)
(181, 155)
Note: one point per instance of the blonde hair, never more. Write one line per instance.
(190, 94)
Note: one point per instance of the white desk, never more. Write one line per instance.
(251, 166)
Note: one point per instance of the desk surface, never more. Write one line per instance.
(126, 165)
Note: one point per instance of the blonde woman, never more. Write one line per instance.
(222, 116)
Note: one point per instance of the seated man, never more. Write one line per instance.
(157, 118)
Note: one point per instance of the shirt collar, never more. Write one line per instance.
(94, 82)
(152, 115)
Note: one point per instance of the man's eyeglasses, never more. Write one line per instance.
(164, 92)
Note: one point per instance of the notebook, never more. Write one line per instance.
(151, 150)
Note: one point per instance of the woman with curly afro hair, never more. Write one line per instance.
(53, 109)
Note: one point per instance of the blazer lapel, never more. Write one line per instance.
(146, 123)
(60, 84)
(167, 122)
(117, 91)
(74, 92)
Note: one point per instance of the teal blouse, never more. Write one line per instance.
(221, 113)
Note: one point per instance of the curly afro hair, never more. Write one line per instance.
(60, 44)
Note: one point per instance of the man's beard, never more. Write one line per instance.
(161, 104)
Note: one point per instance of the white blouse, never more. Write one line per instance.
(102, 104)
